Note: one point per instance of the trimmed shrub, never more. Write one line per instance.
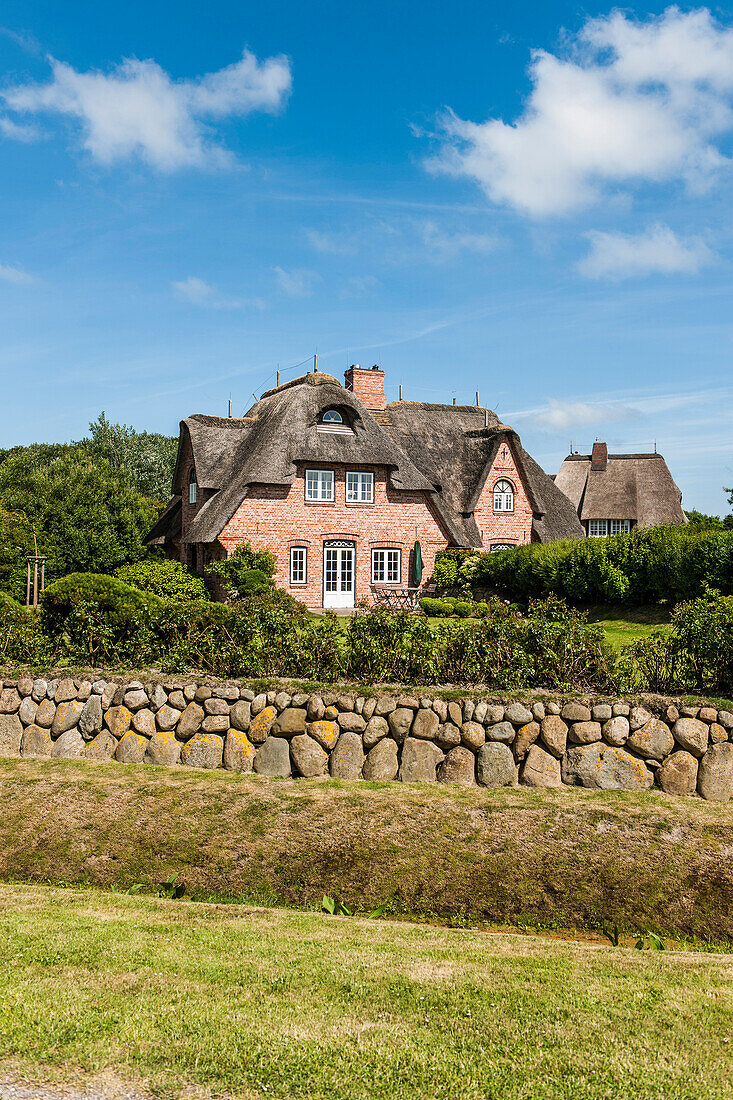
(668, 562)
(245, 573)
(99, 618)
(163, 577)
(462, 608)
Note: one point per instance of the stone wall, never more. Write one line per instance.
(606, 745)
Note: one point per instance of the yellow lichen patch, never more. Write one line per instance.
(324, 732)
(163, 748)
(239, 751)
(117, 720)
(261, 724)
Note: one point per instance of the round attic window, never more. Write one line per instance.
(332, 416)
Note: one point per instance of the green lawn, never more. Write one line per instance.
(622, 625)
(178, 995)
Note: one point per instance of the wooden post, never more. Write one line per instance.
(35, 582)
(28, 585)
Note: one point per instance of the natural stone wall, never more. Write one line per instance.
(606, 745)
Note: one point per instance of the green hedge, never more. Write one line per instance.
(669, 562)
(163, 577)
(98, 620)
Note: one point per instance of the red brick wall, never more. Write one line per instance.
(510, 527)
(278, 518)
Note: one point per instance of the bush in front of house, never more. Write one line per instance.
(98, 618)
(669, 562)
(163, 577)
(696, 654)
(551, 645)
(22, 639)
(245, 573)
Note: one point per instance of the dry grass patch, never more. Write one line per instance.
(566, 858)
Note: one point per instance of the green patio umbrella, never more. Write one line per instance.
(417, 564)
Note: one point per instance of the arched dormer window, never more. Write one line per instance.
(192, 487)
(335, 420)
(503, 496)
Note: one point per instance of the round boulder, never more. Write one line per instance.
(308, 757)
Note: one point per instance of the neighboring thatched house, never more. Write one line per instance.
(340, 486)
(613, 494)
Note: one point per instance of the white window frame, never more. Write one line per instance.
(496, 546)
(325, 486)
(597, 528)
(619, 526)
(192, 488)
(386, 565)
(503, 498)
(359, 487)
(298, 565)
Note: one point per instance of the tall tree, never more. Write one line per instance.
(149, 458)
(86, 514)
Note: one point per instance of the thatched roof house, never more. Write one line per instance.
(316, 469)
(615, 493)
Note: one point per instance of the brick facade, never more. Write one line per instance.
(277, 519)
(511, 528)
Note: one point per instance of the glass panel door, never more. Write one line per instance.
(338, 575)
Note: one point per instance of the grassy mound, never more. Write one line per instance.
(179, 999)
(566, 858)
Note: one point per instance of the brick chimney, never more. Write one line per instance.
(599, 458)
(367, 385)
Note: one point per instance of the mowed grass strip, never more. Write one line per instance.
(556, 858)
(173, 995)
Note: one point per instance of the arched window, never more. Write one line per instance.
(192, 487)
(503, 496)
(332, 416)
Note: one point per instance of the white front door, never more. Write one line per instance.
(338, 574)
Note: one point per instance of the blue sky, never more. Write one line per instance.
(531, 200)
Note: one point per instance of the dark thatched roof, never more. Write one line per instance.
(638, 487)
(167, 526)
(457, 447)
(263, 447)
(443, 450)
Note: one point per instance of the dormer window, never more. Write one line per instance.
(334, 420)
(192, 487)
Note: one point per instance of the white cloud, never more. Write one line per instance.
(200, 293)
(16, 132)
(356, 286)
(14, 274)
(336, 244)
(296, 283)
(656, 251)
(559, 416)
(446, 245)
(632, 102)
(138, 110)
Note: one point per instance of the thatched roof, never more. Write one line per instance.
(167, 526)
(280, 430)
(638, 487)
(456, 446)
(443, 450)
